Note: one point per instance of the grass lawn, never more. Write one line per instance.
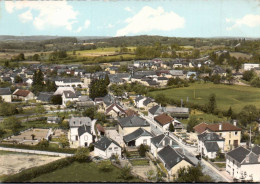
(227, 95)
(100, 50)
(139, 162)
(220, 165)
(82, 172)
(204, 117)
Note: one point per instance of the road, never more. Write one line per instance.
(189, 151)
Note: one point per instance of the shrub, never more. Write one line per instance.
(34, 172)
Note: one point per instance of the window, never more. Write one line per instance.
(115, 148)
(86, 137)
(235, 133)
(220, 134)
(76, 137)
(110, 149)
(145, 141)
(229, 142)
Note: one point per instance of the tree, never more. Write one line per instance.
(36, 57)
(161, 99)
(248, 75)
(248, 114)
(171, 128)
(97, 88)
(89, 112)
(63, 139)
(43, 144)
(56, 99)
(255, 82)
(107, 81)
(126, 173)
(18, 79)
(229, 112)
(2, 132)
(105, 166)
(192, 174)
(38, 79)
(82, 154)
(142, 149)
(13, 124)
(212, 105)
(191, 123)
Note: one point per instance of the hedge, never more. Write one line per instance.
(28, 174)
(22, 146)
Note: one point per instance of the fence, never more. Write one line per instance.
(36, 152)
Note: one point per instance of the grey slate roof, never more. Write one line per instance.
(5, 91)
(158, 141)
(45, 97)
(136, 134)
(78, 121)
(238, 154)
(147, 101)
(69, 94)
(171, 157)
(133, 121)
(83, 129)
(139, 98)
(211, 146)
(256, 149)
(104, 143)
(53, 118)
(156, 110)
(211, 136)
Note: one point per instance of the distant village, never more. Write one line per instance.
(131, 120)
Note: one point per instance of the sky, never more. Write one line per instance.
(175, 18)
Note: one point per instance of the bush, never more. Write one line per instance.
(142, 149)
(34, 172)
(105, 166)
(21, 146)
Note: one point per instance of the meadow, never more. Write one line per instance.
(226, 95)
(83, 172)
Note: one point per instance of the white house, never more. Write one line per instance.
(107, 147)
(244, 164)
(164, 121)
(209, 144)
(250, 66)
(160, 141)
(60, 90)
(138, 137)
(80, 135)
(139, 101)
(23, 94)
(68, 96)
(6, 94)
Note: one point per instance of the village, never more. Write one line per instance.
(90, 110)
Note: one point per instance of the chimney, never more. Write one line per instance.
(220, 126)
(235, 122)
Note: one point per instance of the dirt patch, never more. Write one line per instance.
(14, 163)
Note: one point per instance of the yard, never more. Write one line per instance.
(82, 172)
(226, 95)
(139, 162)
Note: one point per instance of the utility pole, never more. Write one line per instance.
(250, 139)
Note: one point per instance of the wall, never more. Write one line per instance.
(141, 139)
(7, 98)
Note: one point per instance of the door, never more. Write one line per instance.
(235, 143)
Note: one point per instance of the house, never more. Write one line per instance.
(6, 94)
(148, 103)
(209, 144)
(139, 101)
(107, 147)
(68, 96)
(178, 112)
(250, 66)
(53, 119)
(160, 141)
(230, 132)
(129, 124)
(60, 90)
(190, 74)
(173, 160)
(81, 131)
(155, 111)
(164, 121)
(115, 110)
(244, 164)
(138, 137)
(23, 94)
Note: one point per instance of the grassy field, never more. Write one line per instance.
(226, 95)
(139, 162)
(82, 172)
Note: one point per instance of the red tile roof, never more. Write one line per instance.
(100, 128)
(216, 127)
(163, 119)
(22, 92)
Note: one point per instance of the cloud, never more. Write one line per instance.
(149, 19)
(249, 20)
(79, 29)
(110, 26)
(26, 16)
(128, 9)
(49, 14)
(86, 24)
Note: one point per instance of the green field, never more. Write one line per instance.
(226, 95)
(82, 172)
(106, 50)
(139, 162)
